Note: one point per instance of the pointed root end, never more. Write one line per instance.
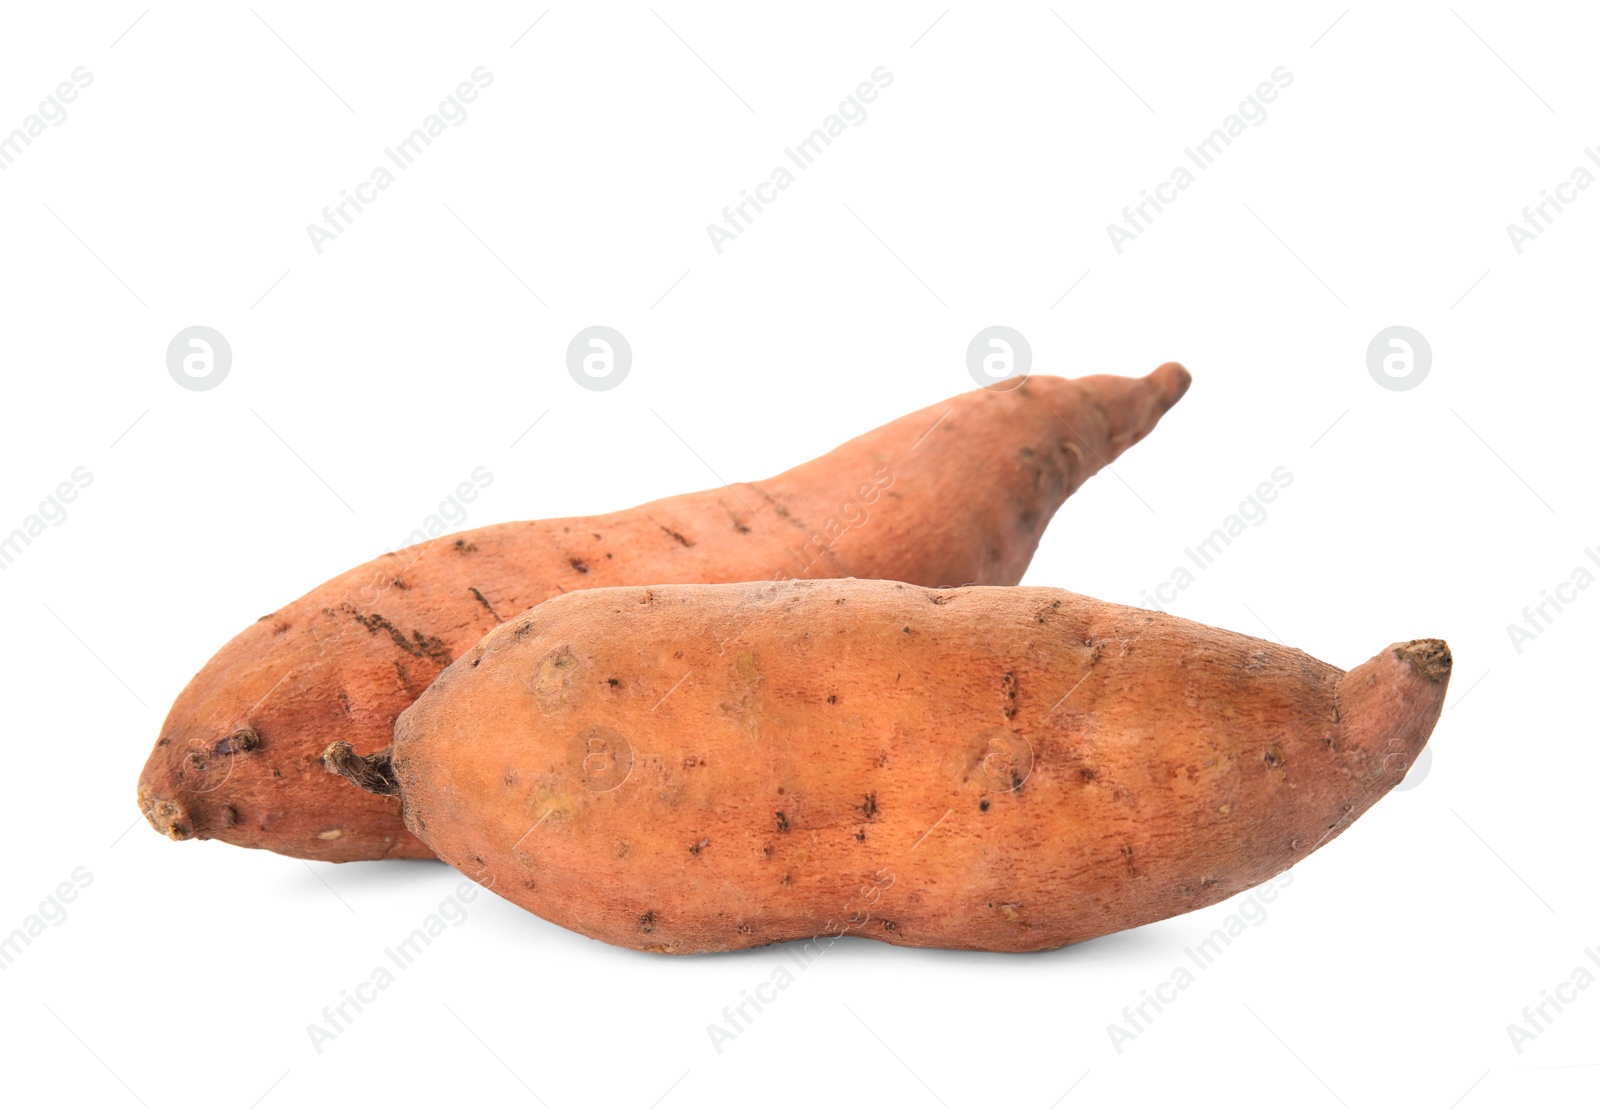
(1431, 657)
(1171, 381)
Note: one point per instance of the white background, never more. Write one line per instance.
(370, 379)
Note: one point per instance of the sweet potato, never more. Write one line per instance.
(703, 768)
(956, 493)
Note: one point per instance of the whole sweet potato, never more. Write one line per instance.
(956, 493)
(702, 768)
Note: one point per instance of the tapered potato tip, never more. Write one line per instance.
(1388, 706)
(1430, 657)
(1170, 381)
(1126, 409)
(166, 816)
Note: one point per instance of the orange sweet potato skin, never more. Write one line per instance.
(956, 493)
(690, 769)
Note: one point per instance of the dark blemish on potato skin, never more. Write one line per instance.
(230, 815)
(647, 923)
(869, 806)
(464, 546)
(484, 602)
(861, 836)
(418, 644)
(1008, 695)
(832, 699)
(983, 805)
(579, 565)
(245, 739)
(679, 536)
(614, 683)
(783, 821)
